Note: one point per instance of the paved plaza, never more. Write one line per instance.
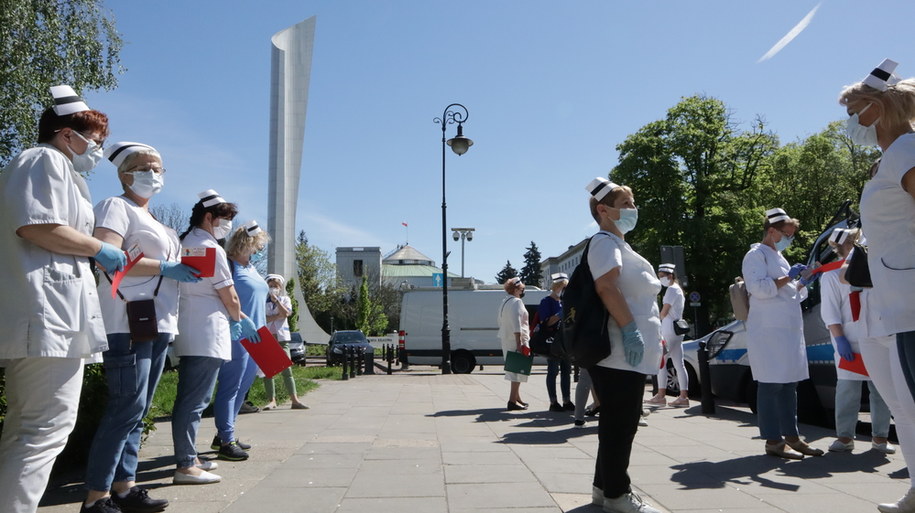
(418, 441)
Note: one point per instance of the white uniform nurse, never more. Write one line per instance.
(881, 110)
(847, 332)
(671, 311)
(775, 335)
(628, 288)
(48, 298)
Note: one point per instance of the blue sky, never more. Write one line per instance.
(552, 88)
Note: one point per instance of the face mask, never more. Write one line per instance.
(783, 244)
(275, 291)
(521, 294)
(147, 184)
(860, 134)
(628, 218)
(223, 229)
(85, 162)
(666, 281)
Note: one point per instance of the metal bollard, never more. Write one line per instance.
(705, 377)
(369, 361)
(358, 360)
(343, 365)
(352, 363)
(389, 356)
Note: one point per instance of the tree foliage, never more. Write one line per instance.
(531, 274)
(370, 317)
(317, 274)
(172, 215)
(507, 272)
(45, 43)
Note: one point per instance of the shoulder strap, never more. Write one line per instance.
(155, 293)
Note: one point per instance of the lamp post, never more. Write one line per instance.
(459, 144)
(462, 234)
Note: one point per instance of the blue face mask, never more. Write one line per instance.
(784, 242)
(628, 218)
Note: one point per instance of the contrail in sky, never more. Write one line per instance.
(793, 33)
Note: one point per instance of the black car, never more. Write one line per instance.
(353, 339)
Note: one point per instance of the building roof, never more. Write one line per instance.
(408, 255)
(411, 271)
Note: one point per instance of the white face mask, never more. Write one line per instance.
(87, 160)
(147, 184)
(860, 134)
(223, 229)
(275, 291)
(666, 281)
(628, 219)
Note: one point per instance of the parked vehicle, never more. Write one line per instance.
(473, 323)
(691, 362)
(296, 348)
(352, 339)
(729, 365)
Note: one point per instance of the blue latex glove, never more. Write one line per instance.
(810, 279)
(633, 345)
(844, 347)
(235, 330)
(249, 330)
(111, 257)
(796, 270)
(179, 272)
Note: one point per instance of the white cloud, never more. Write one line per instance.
(793, 33)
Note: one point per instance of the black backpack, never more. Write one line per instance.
(583, 339)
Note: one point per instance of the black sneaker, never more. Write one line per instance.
(248, 407)
(217, 443)
(568, 406)
(579, 423)
(101, 506)
(138, 501)
(554, 406)
(232, 452)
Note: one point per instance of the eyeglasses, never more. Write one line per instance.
(157, 170)
(90, 141)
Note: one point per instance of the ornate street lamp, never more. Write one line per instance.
(459, 144)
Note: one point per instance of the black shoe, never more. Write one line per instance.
(554, 406)
(568, 406)
(217, 443)
(232, 452)
(138, 501)
(242, 444)
(101, 506)
(248, 407)
(515, 406)
(580, 423)
(590, 412)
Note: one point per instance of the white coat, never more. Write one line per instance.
(835, 308)
(888, 217)
(513, 318)
(673, 296)
(775, 330)
(640, 286)
(48, 300)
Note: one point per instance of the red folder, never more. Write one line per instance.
(133, 256)
(857, 365)
(267, 354)
(202, 259)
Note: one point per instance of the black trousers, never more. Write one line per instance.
(620, 393)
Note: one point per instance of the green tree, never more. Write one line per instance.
(507, 272)
(531, 274)
(322, 291)
(370, 316)
(690, 174)
(45, 43)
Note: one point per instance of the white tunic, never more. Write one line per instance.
(157, 241)
(49, 302)
(279, 327)
(888, 217)
(835, 308)
(513, 318)
(775, 330)
(203, 321)
(673, 297)
(639, 286)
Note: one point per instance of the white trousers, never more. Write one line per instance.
(42, 400)
(882, 361)
(675, 353)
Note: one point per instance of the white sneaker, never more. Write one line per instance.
(204, 478)
(628, 503)
(643, 422)
(840, 446)
(903, 505)
(597, 496)
(207, 465)
(885, 447)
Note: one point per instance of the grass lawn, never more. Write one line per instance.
(304, 377)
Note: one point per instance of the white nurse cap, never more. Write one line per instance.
(882, 76)
(118, 152)
(66, 101)
(210, 197)
(252, 228)
(559, 277)
(774, 215)
(276, 277)
(600, 187)
(667, 268)
(838, 236)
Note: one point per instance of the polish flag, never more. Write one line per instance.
(405, 224)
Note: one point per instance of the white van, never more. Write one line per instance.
(473, 322)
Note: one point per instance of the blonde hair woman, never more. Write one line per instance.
(514, 332)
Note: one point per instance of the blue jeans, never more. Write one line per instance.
(848, 403)
(558, 366)
(132, 371)
(905, 344)
(196, 379)
(776, 410)
(235, 378)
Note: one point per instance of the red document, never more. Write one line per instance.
(854, 366)
(133, 256)
(202, 259)
(267, 354)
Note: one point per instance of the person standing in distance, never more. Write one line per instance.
(48, 296)
(671, 312)
(550, 313)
